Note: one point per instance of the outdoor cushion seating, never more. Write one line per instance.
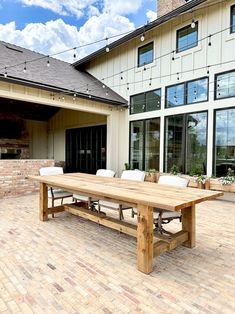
(161, 216)
(54, 193)
(87, 199)
(128, 175)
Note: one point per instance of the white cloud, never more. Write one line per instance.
(56, 36)
(65, 7)
(122, 7)
(151, 15)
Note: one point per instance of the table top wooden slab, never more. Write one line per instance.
(130, 192)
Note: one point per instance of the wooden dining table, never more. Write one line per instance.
(141, 195)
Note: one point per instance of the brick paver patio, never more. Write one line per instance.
(70, 265)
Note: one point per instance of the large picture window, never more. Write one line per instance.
(224, 147)
(148, 101)
(232, 20)
(144, 144)
(186, 142)
(145, 54)
(225, 85)
(190, 92)
(187, 38)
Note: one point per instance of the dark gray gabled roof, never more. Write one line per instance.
(138, 32)
(59, 77)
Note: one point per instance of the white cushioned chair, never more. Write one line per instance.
(54, 193)
(136, 175)
(160, 216)
(87, 199)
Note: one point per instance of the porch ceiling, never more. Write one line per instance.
(27, 110)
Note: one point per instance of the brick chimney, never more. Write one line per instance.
(166, 6)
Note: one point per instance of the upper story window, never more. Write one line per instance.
(232, 24)
(187, 38)
(225, 85)
(187, 93)
(175, 95)
(148, 101)
(197, 90)
(145, 54)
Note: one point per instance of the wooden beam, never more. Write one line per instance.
(56, 209)
(145, 239)
(165, 244)
(188, 224)
(43, 202)
(102, 219)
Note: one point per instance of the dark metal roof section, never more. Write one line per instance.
(59, 77)
(138, 32)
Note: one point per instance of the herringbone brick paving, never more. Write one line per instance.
(70, 265)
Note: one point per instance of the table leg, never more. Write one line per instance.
(43, 213)
(188, 224)
(145, 239)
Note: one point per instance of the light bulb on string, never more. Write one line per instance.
(48, 62)
(121, 76)
(150, 81)
(5, 74)
(74, 53)
(107, 47)
(193, 24)
(127, 86)
(142, 38)
(25, 69)
(209, 41)
(178, 76)
(173, 55)
(208, 69)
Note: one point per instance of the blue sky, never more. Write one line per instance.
(49, 26)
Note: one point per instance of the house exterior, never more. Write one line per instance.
(162, 95)
(178, 76)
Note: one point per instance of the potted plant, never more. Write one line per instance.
(226, 183)
(175, 170)
(150, 175)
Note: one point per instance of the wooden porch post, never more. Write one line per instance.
(43, 211)
(188, 224)
(145, 239)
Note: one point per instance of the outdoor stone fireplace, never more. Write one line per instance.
(14, 139)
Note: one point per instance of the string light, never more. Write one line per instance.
(150, 81)
(5, 74)
(193, 24)
(178, 76)
(142, 38)
(209, 37)
(107, 47)
(208, 69)
(121, 76)
(173, 55)
(74, 53)
(25, 69)
(48, 62)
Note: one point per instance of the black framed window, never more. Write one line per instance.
(187, 38)
(147, 101)
(225, 85)
(144, 144)
(175, 95)
(197, 90)
(224, 144)
(186, 142)
(187, 93)
(232, 20)
(145, 54)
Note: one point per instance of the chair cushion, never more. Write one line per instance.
(133, 175)
(173, 180)
(59, 194)
(81, 197)
(105, 173)
(166, 214)
(109, 204)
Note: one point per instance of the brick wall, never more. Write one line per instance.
(164, 7)
(13, 175)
